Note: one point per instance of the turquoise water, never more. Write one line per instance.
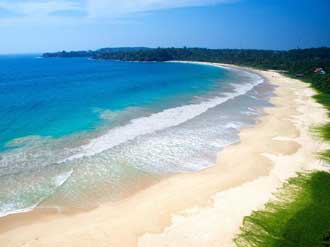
(58, 97)
(75, 129)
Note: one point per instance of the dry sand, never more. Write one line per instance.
(197, 209)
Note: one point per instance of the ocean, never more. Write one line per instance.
(76, 132)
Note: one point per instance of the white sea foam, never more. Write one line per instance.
(62, 178)
(158, 121)
(233, 125)
(16, 208)
(250, 112)
(11, 208)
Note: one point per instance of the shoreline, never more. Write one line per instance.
(178, 210)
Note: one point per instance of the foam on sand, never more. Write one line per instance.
(22, 206)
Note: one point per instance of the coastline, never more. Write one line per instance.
(196, 209)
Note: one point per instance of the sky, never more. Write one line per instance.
(35, 26)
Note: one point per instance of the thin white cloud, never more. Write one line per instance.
(38, 8)
(115, 8)
(98, 8)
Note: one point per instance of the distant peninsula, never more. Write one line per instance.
(93, 53)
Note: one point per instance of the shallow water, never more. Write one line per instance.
(76, 129)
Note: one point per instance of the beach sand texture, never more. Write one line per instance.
(204, 208)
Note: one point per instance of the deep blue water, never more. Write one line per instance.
(76, 132)
(56, 97)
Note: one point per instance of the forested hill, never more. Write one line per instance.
(298, 62)
(90, 53)
(257, 58)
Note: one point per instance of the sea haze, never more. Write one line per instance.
(76, 132)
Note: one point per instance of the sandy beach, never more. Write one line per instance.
(205, 208)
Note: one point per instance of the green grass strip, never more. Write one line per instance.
(299, 216)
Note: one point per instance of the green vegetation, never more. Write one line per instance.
(324, 133)
(299, 216)
(99, 52)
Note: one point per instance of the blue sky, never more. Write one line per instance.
(28, 26)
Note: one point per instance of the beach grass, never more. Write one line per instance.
(323, 131)
(298, 216)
